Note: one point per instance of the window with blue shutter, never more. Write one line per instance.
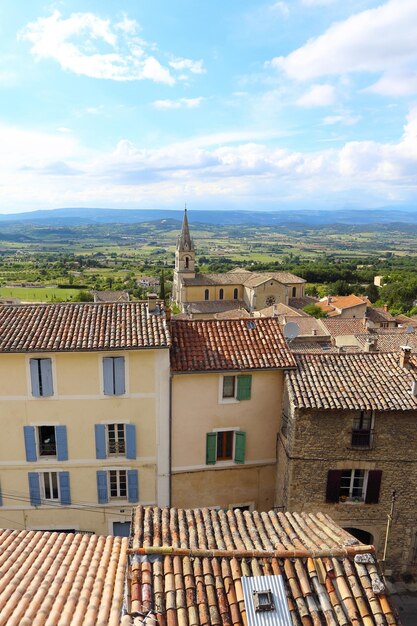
(41, 378)
(34, 489)
(102, 492)
(240, 446)
(64, 488)
(114, 375)
(132, 486)
(30, 443)
(61, 443)
(100, 432)
(130, 441)
(211, 440)
(244, 387)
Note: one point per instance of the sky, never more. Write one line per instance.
(219, 104)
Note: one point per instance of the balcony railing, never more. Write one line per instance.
(117, 447)
(362, 438)
(47, 449)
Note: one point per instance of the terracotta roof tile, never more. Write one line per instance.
(55, 578)
(344, 326)
(212, 306)
(389, 342)
(192, 588)
(110, 296)
(378, 314)
(357, 381)
(213, 345)
(242, 278)
(80, 327)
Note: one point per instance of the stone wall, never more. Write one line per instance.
(318, 441)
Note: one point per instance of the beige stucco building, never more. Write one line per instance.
(204, 295)
(84, 405)
(226, 407)
(347, 448)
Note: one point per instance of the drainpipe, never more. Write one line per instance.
(389, 522)
(170, 442)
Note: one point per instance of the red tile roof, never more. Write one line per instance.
(357, 381)
(215, 345)
(56, 578)
(338, 327)
(80, 327)
(185, 587)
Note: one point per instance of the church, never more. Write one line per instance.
(207, 295)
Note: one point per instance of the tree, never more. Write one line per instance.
(372, 292)
(314, 311)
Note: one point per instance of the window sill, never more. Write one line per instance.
(228, 401)
(352, 501)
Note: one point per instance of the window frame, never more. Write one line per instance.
(41, 395)
(42, 476)
(116, 426)
(222, 399)
(38, 442)
(363, 426)
(354, 476)
(236, 294)
(118, 472)
(233, 460)
(206, 295)
(113, 393)
(221, 294)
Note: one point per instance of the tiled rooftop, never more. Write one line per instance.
(233, 314)
(339, 327)
(358, 381)
(340, 302)
(389, 342)
(251, 279)
(215, 345)
(379, 314)
(212, 306)
(328, 585)
(302, 301)
(308, 326)
(80, 327)
(313, 347)
(56, 579)
(280, 309)
(111, 296)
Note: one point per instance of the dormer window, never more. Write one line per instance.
(263, 601)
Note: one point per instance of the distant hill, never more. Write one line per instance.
(80, 216)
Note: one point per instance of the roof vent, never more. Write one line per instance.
(263, 600)
(251, 325)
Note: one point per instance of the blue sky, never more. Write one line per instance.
(217, 103)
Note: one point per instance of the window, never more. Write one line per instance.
(225, 445)
(45, 441)
(362, 430)
(206, 294)
(114, 375)
(263, 600)
(235, 388)
(294, 292)
(41, 377)
(116, 484)
(116, 443)
(235, 294)
(187, 262)
(353, 485)
(49, 486)
(115, 440)
(221, 294)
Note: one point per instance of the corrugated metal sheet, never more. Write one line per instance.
(280, 616)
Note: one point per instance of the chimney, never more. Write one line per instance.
(370, 344)
(405, 355)
(386, 308)
(365, 322)
(152, 304)
(314, 331)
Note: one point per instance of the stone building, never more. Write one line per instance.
(347, 447)
(204, 295)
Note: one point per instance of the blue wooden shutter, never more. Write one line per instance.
(374, 486)
(240, 446)
(64, 487)
(211, 444)
(34, 488)
(100, 431)
(61, 443)
(34, 377)
(108, 376)
(130, 441)
(333, 485)
(119, 375)
(46, 377)
(132, 486)
(30, 443)
(244, 386)
(102, 487)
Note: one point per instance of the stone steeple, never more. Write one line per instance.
(185, 243)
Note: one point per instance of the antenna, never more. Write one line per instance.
(291, 331)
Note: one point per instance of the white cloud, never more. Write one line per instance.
(281, 7)
(195, 67)
(188, 103)
(382, 39)
(402, 83)
(318, 96)
(91, 46)
(345, 119)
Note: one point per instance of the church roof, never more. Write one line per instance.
(250, 279)
(185, 243)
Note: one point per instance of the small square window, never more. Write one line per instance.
(263, 600)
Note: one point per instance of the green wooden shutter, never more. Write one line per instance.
(244, 386)
(211, 440)
(240, 446)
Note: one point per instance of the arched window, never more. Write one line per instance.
(221, 294)
(235, 294)
(294, 292)
(206, 295)
(187, 262)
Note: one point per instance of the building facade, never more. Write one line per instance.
(227, 382)
(84, 404)
(347, 448)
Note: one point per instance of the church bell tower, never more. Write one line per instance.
(184, 259)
